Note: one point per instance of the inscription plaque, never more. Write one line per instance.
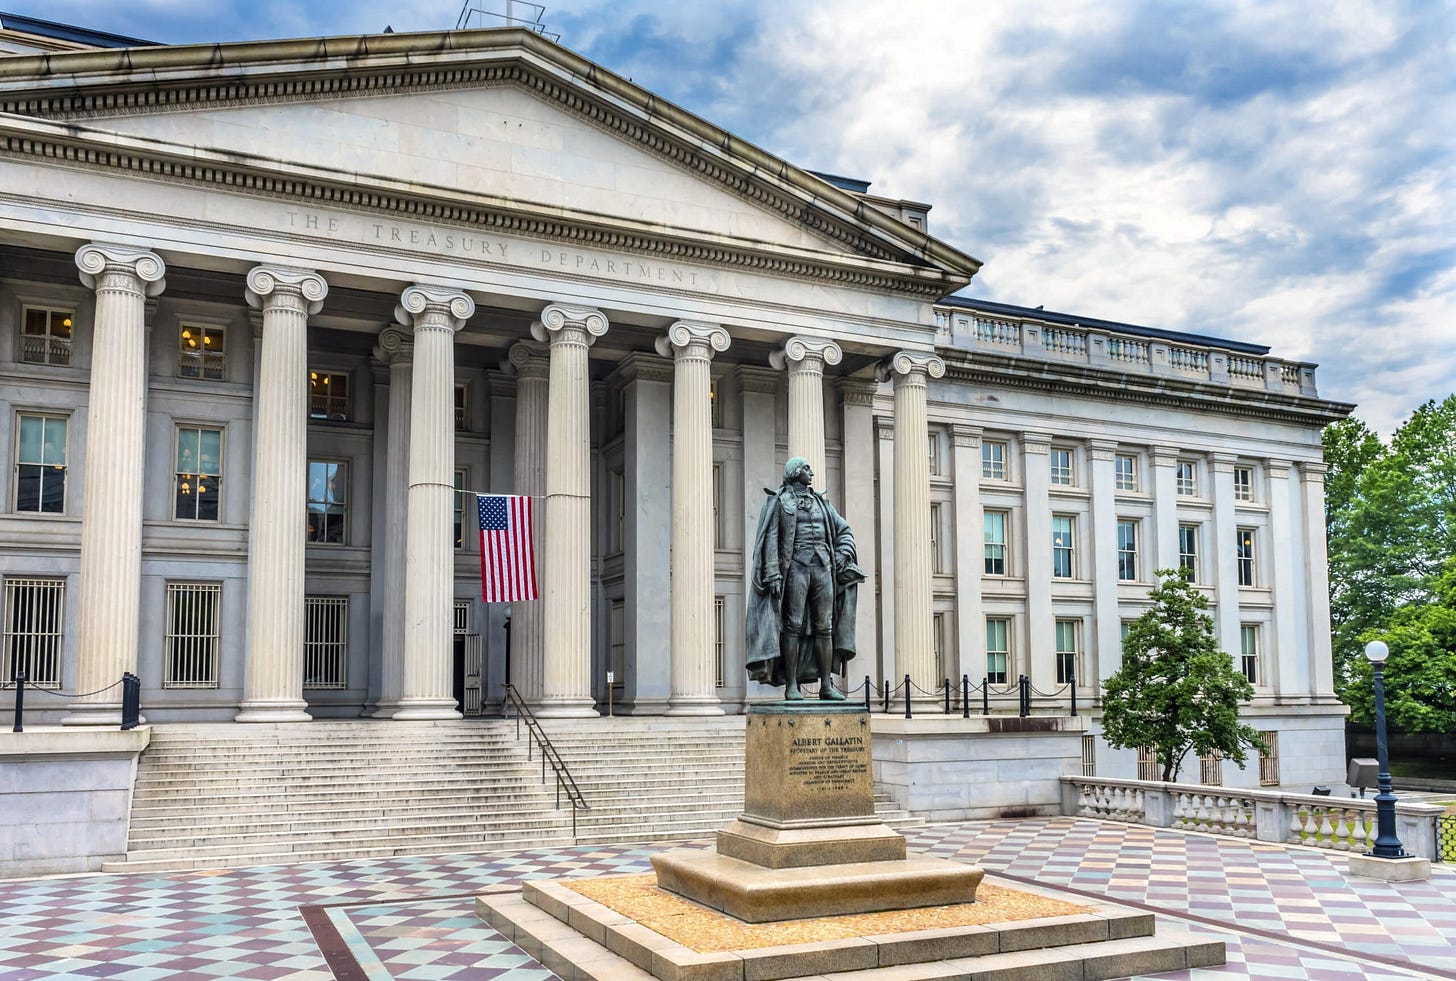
(811, 766)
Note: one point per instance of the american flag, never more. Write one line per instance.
(507, 559)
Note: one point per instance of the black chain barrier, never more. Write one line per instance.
(131, 689)
(953, 698)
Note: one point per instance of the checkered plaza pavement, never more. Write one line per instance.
(1284, 912)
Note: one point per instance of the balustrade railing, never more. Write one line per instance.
(1188, 359)
(1125, 351)
(1338, 824)
(1246, 369)
(1059, 340)
(999, 332)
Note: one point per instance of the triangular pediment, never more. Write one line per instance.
(486, 126)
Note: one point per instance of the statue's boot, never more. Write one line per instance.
(824, 658)
(789, 653)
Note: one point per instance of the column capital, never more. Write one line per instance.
(395, 345)
(1314, 469)
(1224, 462)
(145, 268)
(858, 391)
(755, 380)
(806, 354)
(434, 306)
(528, 361)
(687, 338)
(962, 435)
(885, 428)
(1039, 444)
(1102, 449)
(1277, 468)
(911, 367)
(500, 383)
(558, 321)
(639, 366)
(278, 281)
(1165, 456)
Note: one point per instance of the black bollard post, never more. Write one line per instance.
(946, 682)
(986, 695)
(131, 697)
(965, 696)
(1025, 684)
(1072, 684)
(885, 689)
(907, 696)
(867, 693)
(19, 703)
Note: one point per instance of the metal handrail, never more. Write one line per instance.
(534, 733)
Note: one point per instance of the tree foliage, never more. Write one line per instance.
(1390, 514)
(1176, 691)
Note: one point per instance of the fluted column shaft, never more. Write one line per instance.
(969, 563)
(1106, 642)
(1225, 541)
(1317, 563)
(804, 358)
(914, 624)
(273, 691)
(111, 527)
(532, 379)
(1292, 677)
(693, 668)
(396, 348)
(567, 564)
(429, 587)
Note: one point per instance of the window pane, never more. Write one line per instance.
(32, 433)
(53, 450)
(1061, 547)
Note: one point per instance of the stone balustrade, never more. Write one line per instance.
(1338, 823)
(1099, 347)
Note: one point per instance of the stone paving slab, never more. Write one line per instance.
(1284, 912)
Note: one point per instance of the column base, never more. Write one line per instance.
(565, 708)
(695, 705)
(384, 709)
(425, 710)
(273, 710)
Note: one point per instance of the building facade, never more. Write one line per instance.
(270, 311)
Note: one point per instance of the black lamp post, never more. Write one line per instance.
(1387, 845)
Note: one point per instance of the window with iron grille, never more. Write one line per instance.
(718, 640)
(1244, 554)
(461, 617)
(192, 635)
(1186, 479)
(1148, 767)
(198, 483)
(1127, 551)
(201, 351)
(993, 459)
(328, 396)
(715, 405)
(1061, 463)
(45, 336)
(1089, 756)
(1269, 760)
(34, 611)
(1068, 650)
(460, 499)
(617, 643)
(998, 650)
(717, 505)
(937, 562)
(1249, 652)
(328, 502)
(994, 523)
(1126, 470)
(1063, 526)
(40, 464)
(1188, 550)
(462, 408)
(1210, 769)
(325, 642)
(1243, 483)
(933, 442)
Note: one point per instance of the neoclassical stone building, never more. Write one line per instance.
(266, 309)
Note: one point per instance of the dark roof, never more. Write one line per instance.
(66, 32)
(843, 183)
(1007, 310)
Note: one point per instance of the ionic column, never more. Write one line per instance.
(858, 509)
(1107, 645)
(914, 643)
(1317, 583)
(805, 358)
(532, 378)
(1225, 541)
(1165, 506)
(691, 346)
(273, 690)
(429, 590)
(970, 551)
(1284, 559)
(1037, 661)
(111, 524)
(396, 349)
(567, 562)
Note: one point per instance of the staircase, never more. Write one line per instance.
(228, 795)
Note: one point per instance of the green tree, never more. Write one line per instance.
(1358, 598)
(1176, 691)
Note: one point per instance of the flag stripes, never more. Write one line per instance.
(507, 555)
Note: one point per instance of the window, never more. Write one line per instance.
(1244, 553)
(1243, 483)
(1249, 652)
(715, 405)
(618, 481)
(718, 640)
(993, 460)
(462, 408)
(328, 396)
(1061, 460)
(31, 644)
(1062, 528)
(717, 505)
(40, 478)
(1186, 479)
(933, 446)
(998, 650)
(1269, 760)
(327, 501)
(199, 473)
(1067, 651)
(1089, 756)
(201, 351)
(1210, 769)
(325, 642)
(1148, 767)
(937, 645)
(1188, 550)
(617, 644)
(461, 621)
(1127, 545)
(1126, 469)
(460, 498)
(994, 523)
(46, 336)
(192, 632)
(936, 565)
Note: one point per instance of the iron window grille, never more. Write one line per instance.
(192, 635)
(31, 644)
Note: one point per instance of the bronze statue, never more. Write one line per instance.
(805, 586)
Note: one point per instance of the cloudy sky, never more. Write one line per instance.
(1279, 172)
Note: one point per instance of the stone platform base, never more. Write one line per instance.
(759, 895)
(789, 848)
(1410, 869)
(579, 939)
